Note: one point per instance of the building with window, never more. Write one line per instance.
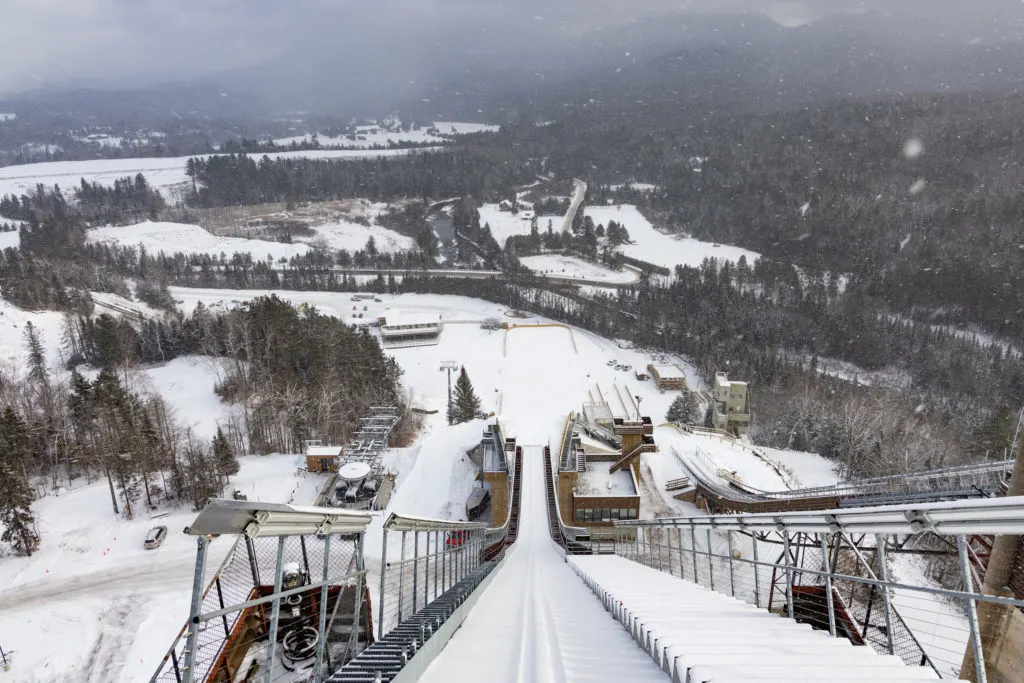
(731, 410)
(399, 329)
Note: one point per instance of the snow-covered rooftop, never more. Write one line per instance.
(323, 450)
(668, 371)
(394, 317)
(597, 481)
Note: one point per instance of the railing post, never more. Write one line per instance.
(192, 642)
(322, 625)
(757, 572)
(415, 568)
(383, 575)
(275, 611)
(789, 573)
(883, 575)
(360, 567)
(679, 542)
(693, 551)
(711, 563)
(972, 611)
(436, 572)
(401, 580)
(732, 576)
(828, 585)
(661, 548)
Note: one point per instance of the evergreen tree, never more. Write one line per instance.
(684, 409)
(224, 455)
(466, 405)
(16, 512)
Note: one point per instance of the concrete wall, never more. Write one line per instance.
(498, 482)
(566, 482)
(1003, 648)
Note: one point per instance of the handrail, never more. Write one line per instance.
(494, 535)
(397, 522)
(569, 533)
(988, 516)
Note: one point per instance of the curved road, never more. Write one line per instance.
(538, 621)
(577, 200)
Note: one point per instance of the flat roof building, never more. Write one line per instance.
(398, 328)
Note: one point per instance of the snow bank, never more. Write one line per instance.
(657, 247)
(570, 266)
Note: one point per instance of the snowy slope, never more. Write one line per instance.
(570, 266)
(186, 383)
(657, 247)
(191, 239)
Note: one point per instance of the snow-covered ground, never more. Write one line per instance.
(161, 172)
(504, 224)
(368, 136)
(570, 266)
(10, 239)
(353, 236)
(7, 116)
(92, 604)
(657, 247)
(186, 383)
(192, 239)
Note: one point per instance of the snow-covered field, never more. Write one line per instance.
(570, 266)
(368, 136)
(353, 237)
(192, 239)
(657, 247)
(504, 224)
(161, 172)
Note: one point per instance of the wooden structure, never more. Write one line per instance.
(323, 458)
(667, 376)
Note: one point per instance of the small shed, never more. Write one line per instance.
(323, 458)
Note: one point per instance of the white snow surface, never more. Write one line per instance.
(503, 224)
(169, 238)
(570, 266)
(657, 247)
(537, 621)
(597, 481)
(352, 237)
(368, 136)
(186, 383)
(161, 172)
(10, 239)
(7, 116)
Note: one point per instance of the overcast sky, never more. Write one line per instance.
(56, 42)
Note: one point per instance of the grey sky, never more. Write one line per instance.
(47, 42)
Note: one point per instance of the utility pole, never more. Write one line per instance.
(449, 365)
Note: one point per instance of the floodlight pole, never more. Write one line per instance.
(449, 365)
(192, 642)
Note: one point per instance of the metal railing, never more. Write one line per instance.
(858, 573)
(278, 602)
(432, 556)
(575, 538)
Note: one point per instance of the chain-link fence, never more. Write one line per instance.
(278, 609)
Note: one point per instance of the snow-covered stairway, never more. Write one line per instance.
(698, 636)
